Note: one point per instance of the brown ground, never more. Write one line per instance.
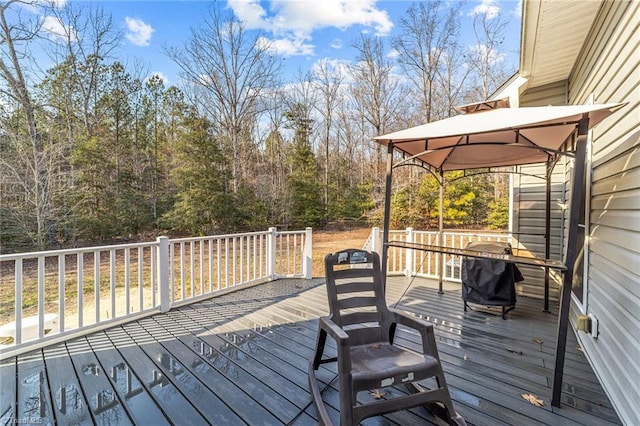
(325, 242)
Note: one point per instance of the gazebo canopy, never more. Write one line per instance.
(496, 137)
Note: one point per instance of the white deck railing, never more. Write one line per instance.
(410, 262)
(53, 295)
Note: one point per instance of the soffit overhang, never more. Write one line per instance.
(553, 33)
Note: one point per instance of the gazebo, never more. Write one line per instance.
(490, 134)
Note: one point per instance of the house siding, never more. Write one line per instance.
(549, 94)
(607, 70)
(529, 203)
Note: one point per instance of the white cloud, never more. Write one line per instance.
(393, 54)
(490, 8)
(336, 43)
(517, 11)
(292, 23)
(138, 31)
(249, 11)
(310, 15)
(58, 4)
(337, 67)
(289, 46)
(56, 29)
(36, 7)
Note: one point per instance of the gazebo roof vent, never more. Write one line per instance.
(483, 106)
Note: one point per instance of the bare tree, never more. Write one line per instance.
(486, 58)
(87, 40)
(374, 88)
(452, 82)
(16, 38)
(274, 149)
(486, 61)
(328, 83)
(377, 95)
(234, 70)
(428, 32)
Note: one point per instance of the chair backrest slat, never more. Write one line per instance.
(361, 317)
(356, 302)
(354, 287)
(352, 273)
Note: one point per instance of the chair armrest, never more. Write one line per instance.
(423, 327)
(333, 330)
(342, 341)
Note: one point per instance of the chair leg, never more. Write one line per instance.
(316, 393)
(320, 342)
(392, 332)
(316, 397)
(347, 401)
(453, 417)
(445, 409)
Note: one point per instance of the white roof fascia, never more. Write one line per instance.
(511, 90)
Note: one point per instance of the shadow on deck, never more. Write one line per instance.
(242, 359)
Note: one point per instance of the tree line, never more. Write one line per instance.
(92, 148)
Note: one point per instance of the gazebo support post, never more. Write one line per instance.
(577, 192)
(547, 235)
(441, 233)
(387, 215)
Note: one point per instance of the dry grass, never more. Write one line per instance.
(325, 242)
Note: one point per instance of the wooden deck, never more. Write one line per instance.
(242, 359)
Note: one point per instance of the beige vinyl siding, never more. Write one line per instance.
(609, 70)
(530, 199)
(529, 202)
(549, 94)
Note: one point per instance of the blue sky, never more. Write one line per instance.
(302, 31)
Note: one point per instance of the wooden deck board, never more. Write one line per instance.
(217, 399)
(103, 401)
(233, 362)
(220, 365)
(252, 357)
(172, 403)
(8, 384)
(140, 405)
(33, 401)
(242, 358)
(69, 401)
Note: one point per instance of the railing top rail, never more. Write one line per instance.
(467, 232)
(455, 232)
(78, 250)
(216, 237)
(291, 232)
(51, 253)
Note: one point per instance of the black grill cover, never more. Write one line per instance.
(487, 281)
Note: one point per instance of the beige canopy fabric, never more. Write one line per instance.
(495, 137)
